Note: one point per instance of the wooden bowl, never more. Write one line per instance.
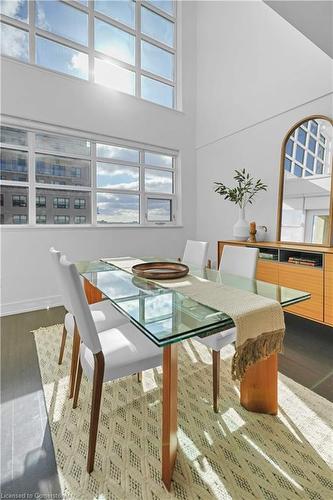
(160, 270)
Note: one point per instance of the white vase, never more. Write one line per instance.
(241, 228)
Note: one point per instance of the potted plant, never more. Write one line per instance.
(242, 194)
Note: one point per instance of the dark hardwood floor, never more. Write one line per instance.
(27, 456)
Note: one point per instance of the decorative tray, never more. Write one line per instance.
(160, 270)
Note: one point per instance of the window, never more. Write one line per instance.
(127, 45)
(19, 200)
(14, 42)
(58, 57)
(299, 154)
(79, 203)
(79, 219)
(17, 10)
(120, 172)
(40, 201)
(63, 202)
(306, 150)
(159, 210)
(289, 147)
(20, 219)
(312, 144)
(287, 164)
(40, 219)
(301, 136)
(117, 176)
(60, 202)
(14, 165)
(48, 179)
(50, 17)
(122, 11)
(314, 127)
(14, 204)
(319, 167)
(60, 170)
(61, 219)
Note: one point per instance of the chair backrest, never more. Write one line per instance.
(81, 310)
(195, 253)
(241, 261)
(56, 255)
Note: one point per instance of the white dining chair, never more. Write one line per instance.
(104, 315)
(106, 355)
(240, 261)
(195, 253)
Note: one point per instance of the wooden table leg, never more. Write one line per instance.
(92, 293)
(169, 413)
(258, 389)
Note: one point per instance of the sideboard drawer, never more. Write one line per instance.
(267, 271)
(308, 280)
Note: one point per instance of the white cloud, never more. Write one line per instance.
(14, 42)
(115, 170)
(123, 185)
(11, 8)
(79, 63)
(41, 17)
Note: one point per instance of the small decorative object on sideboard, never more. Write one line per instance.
(261, 233)
(242, 194)
(253, 231)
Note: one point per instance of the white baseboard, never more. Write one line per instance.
(30, 305)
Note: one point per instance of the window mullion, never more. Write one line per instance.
(32, 178)
(143, 200)
(93, 184)
(32, 37)
(138, 49)
(91, 43)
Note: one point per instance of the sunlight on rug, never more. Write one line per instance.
(233, 454)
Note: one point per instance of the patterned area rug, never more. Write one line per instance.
(233, 454)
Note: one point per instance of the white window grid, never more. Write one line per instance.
(32, 185)
(303, 165)
(34, 31)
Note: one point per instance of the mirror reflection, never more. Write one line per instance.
(307, 183)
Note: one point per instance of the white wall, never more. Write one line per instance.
(256, 76)
(30, 93)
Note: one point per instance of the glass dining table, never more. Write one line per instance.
(168, 317)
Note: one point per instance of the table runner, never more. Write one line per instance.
(259, 321)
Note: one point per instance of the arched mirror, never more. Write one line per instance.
(306, 186)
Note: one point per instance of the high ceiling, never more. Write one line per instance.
(312, 18)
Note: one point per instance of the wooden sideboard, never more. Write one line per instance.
(317, 280)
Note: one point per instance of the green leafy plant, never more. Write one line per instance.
(245, 190)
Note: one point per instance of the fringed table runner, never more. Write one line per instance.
(259, 321)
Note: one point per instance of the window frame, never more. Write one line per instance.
(89, 50)
(32, 185)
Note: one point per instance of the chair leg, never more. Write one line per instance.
(77, 383)
(95, 407)
(139, 376)
(62, 346)
(75, 357)
(216, 379)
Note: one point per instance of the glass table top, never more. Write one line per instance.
(167, 316)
